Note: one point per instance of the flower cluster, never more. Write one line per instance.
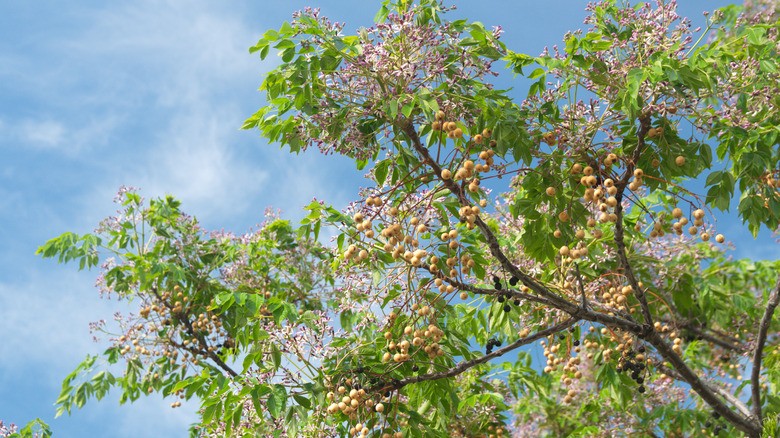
(388, 65)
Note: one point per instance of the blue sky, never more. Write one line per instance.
(151, 94)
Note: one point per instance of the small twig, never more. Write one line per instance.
(639, 293)
(202, 340)
(758, 354)
(582, 286)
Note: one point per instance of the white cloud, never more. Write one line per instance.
(181, 62)
(46, 134)
(49, 317)
(194, 161)
(45, 329)
(54, 136)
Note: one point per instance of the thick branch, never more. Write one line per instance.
(747, 425)
(739, 404)
(552, 299)
(495, 248)
(743, 423)
(766, 320)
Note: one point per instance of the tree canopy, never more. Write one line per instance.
(518, 267)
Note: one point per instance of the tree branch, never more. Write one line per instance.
(201, 339)
(739, 404)
(746, 424)
(758, 354)
(624, 263)
(584, 302)
(463, 366)
(644, 127)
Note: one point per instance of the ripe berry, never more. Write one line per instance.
(680, 160)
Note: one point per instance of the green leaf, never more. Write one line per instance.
(277, 400)
(407, 109)
(380, 172)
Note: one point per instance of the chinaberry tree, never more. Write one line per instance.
(495, 229)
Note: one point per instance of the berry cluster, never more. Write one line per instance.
(633, 362)
(492, 342)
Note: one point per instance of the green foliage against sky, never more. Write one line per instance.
(536, 267)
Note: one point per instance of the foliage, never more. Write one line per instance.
(597, 247)
(34, 429)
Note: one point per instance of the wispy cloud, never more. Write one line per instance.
(47, 134)
(168, 71)
(49, 318)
